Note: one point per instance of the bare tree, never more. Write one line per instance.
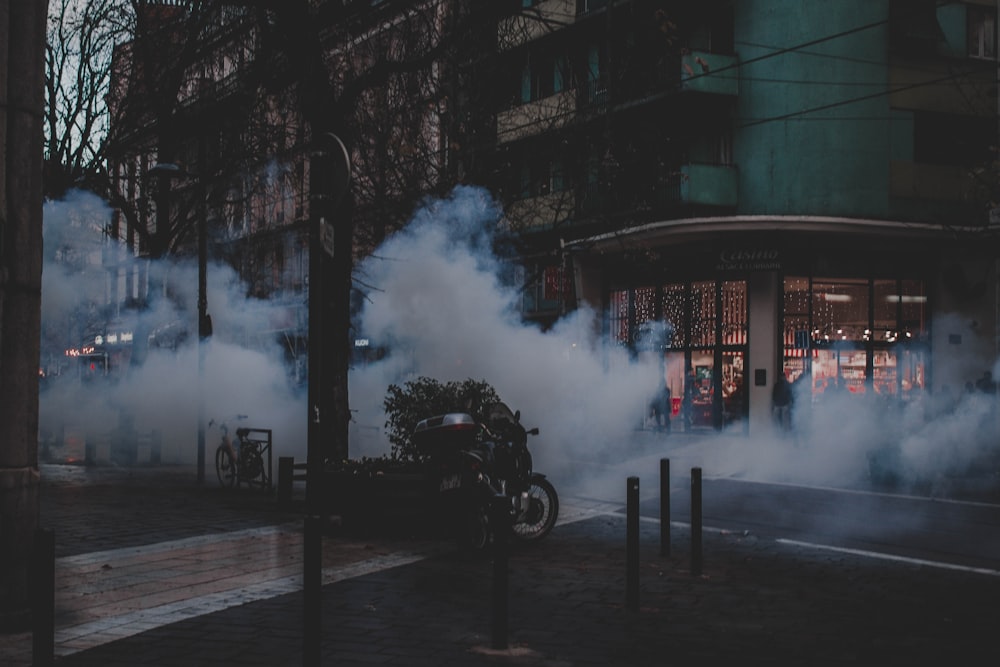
(81, 40)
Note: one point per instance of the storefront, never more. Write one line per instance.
(834, 305)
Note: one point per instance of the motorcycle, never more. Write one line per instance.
(480, 466)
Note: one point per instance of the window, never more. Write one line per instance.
(596, 67)
(697, 332)
(856, 335)
(541, 176)
(584, 6)
(543, 288)
(542, 76)
(981, 41)
(618, 318)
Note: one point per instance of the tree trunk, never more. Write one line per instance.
(22, 73)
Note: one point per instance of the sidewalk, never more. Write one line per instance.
(123, 536)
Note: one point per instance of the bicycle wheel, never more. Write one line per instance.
(225, 468)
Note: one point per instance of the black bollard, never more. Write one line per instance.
(312, 589)
(156, 447)
(43, 599)
(696, 522)
(286, 468)
(89, 450)
(500, 520)
(664, 507)
(632, 545)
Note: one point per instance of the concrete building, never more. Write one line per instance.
(765, 187)
(745, 189)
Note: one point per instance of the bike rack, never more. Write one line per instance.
(262, 437)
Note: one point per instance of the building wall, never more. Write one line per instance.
(802, 145)
(763, 347)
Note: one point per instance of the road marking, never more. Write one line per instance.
(609, 509)
(859, 492)
(892, 557)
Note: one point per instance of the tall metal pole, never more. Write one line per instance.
(204, 331)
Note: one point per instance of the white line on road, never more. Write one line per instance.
(892, 557)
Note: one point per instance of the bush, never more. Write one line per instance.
(426, 397)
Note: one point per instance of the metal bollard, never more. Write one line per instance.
(286, 469)
(312, 580)
(155, 447)
(500, 520)
(696, 521)
(43, 599)
(89, 450)
(664, 507)
(632, 545)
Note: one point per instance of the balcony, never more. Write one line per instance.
(713, 73)
(536, 117)
(541, 212)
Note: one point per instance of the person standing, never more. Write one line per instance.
(781, 401)
(660, 407)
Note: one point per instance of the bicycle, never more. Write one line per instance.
(241, 459)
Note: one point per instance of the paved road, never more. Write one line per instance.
(758, 601)
(950, 531)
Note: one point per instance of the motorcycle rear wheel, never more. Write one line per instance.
(476, 534)
(543, 510)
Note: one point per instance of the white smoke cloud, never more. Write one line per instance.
(440, 305)
(244, 373)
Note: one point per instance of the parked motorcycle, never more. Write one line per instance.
(475, 463)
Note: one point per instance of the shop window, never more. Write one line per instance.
(913, 310)
(703, 314)
(618, 317)
(678, 325)
(840, 311)
(862, 335)
(674, 298)
(645, 304)
(733, 390)
(734, 312)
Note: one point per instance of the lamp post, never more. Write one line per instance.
(169, 171)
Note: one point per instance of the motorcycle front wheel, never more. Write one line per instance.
(542, 512)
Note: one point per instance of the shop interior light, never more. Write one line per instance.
(836, 298)
(905, 298)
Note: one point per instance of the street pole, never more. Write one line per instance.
(330, 174)
(204, 331)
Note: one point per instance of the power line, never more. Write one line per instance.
(853, 100)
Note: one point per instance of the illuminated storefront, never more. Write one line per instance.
(856, 335)
(836, 305)
(690, 329)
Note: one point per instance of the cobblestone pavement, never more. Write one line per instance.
(757, 601)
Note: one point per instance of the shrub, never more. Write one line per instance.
(426, 397)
